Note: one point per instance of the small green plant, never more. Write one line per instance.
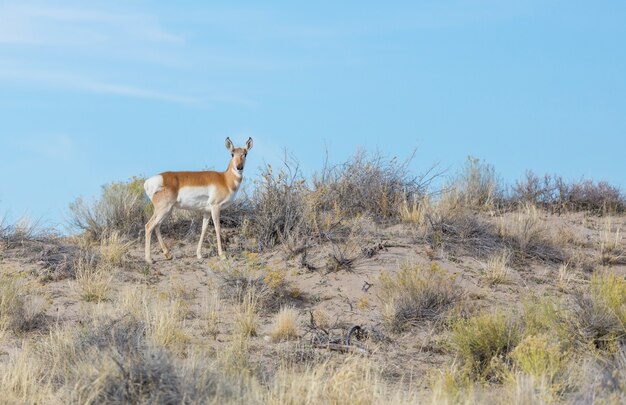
(538, 356)
(484, 341)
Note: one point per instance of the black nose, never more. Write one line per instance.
(240, 167)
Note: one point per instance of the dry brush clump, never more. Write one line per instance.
(278, 207)
(598, 316)
(554, 193)
(270, 286)
(369, 185)
(416, 295)
(529, 237)
(17, 311)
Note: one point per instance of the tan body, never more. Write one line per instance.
(205, 191)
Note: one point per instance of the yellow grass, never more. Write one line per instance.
(285, 325)
(496, 270)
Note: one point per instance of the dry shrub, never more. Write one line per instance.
(22, 380)
(528, 236)
(270, 287)
(278, 206)
(484, 342)
(414, 295)
(163, 318)
(415, 211)
(17, 312)
(122, 207)
(55, 256)
(452, 226)
(285, 325)
(368, 185)
(554, 193)
(496, 270)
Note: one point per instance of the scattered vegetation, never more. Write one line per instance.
(125, 336)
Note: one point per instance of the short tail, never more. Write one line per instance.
(152, 185)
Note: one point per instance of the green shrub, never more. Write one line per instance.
(484, 341)
(122, 207)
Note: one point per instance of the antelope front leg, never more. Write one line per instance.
(215, 213)
(205, 224)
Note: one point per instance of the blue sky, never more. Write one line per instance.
(93, 92)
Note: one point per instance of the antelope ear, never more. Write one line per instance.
(249, 144)
(229, 145)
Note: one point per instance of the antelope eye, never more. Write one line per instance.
(232, 155)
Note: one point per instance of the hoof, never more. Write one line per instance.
(168, 256)
(199, 256)
(149, 260)
(222, 256)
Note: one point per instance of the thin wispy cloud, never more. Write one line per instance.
(77, 82)
(41, 24)
(49, 147)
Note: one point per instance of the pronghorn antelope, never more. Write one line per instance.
(197, 191)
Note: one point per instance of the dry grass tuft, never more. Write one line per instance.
(17, 312)
(285, 325)
(211, 315)
(93, 282)
(565, 277)
(478, 185)
(528, 236)
(246, 322)
(353, 380)
(496, 270)
(113, 248)
(415, 295)
(612, 249)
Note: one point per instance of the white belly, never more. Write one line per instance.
(196, 198)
